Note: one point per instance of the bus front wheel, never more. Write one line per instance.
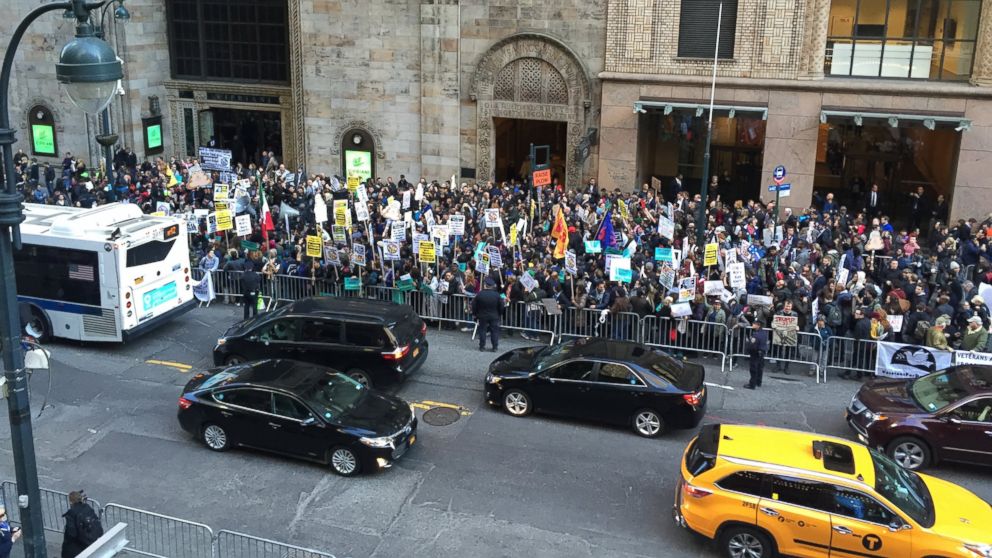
(37, 326)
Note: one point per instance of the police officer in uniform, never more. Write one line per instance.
(487, 308)
(757, 347)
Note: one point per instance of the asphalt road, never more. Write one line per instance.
(488, 485)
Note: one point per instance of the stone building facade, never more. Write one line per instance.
(781, 50)
(423, 81)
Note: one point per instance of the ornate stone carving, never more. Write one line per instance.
(981, 73)
(359, 125)
(549, 83)
(297, 130)
(815, 53)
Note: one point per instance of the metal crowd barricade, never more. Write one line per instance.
(589, 322)
(456, 308)
(852, 355)
(807, 350)
(681, 334)
(529, 317)
(152, 534)
(238, 545)
(53, 505)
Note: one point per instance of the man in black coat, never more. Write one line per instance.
(82, 526)
(487, 306)
(757, 347)
(250, 284)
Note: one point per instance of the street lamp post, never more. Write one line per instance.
(90, 69)
(701, 221)
(106, 138)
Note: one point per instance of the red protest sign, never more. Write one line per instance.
(542, 177)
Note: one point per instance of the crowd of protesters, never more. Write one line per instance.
(915, 285)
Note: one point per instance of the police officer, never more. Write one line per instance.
(487, 306)
(250, 284)
(757, 346)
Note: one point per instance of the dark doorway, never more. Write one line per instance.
(513, 139)
(247, 133)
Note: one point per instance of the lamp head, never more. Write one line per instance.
(90, 69)
(121, 13)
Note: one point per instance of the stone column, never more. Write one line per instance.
(816, 39)
(439, 102)
(981, 73)
(295, 140)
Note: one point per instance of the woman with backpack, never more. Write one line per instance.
(82, 526)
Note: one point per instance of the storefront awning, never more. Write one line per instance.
(930, 121)
(700, 108)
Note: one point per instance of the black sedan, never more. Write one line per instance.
(298, 409)
(615, 382)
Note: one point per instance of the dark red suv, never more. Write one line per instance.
(946, 415)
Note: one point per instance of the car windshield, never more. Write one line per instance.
(553, 354)
(904, 488)
(936, 391)
(220, 377)
(334, 396)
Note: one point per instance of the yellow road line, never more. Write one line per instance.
(427, 405)
(177, 365)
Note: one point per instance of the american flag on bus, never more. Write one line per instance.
(81, 272)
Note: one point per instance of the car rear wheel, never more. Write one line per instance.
(345, 462)
(745, 542)
(912, 453)
(517, 403)
(361, 377)
(216, 438)
(648, 423)
(234, 359)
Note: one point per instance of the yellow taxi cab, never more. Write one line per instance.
(762, 491)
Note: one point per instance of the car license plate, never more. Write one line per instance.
(416, 352)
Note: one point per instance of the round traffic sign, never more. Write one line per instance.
(778, 174)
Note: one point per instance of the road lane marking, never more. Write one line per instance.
(428, 405)
(177, 365)
(721, 386)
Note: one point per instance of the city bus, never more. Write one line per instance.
(109, 273)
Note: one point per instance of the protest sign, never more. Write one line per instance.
(971, 357)
(495, 257)
(242, 225)
(211, 223)
(681, 310)
(221, 206)
(353, 183)
(362, 195)
(493, 219)
(358, 254)
(897, 360)
(429, 218)
(426, 252)
(214, 159)
(687, 289)
(224, 221)
(362, 212)
(319, 209)
(667, 277)
(894, 320)
(482, 262)
(784, 330)
(398, 231)
(623, 275)
(456, 225)
(222, 192)
(342, 216)
(314, 245)
(570, 262)
(759, 300)
(352, 283)
(417, 239)
(419, 192)
(663, 254)
(713, 288)
(331, 256)
(528, 282)
(709, 257)
(339, 233)
(666, 228)
(593, 247)
(164, 208)
(738, 279)
(390, 250)
(406, 199)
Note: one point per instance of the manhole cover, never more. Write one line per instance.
(441, 416)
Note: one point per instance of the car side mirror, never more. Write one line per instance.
(897, 526)
(309, 421)
(952, 419)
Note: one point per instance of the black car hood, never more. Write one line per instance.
(888, 396)
(517, 362)
(379, 414)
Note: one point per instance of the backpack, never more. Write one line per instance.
(920, 332)
(834, 316)
(88, 527)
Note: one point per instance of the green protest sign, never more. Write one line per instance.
(250, 246)
(352, 283)
(405, 284)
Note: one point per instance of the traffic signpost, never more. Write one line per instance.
(778, 175)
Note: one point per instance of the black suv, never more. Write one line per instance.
(374, 342)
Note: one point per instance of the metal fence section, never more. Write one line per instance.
(589, 322)
(238, 545)
(529, 317)
(851, 355)
(807, 350)
(686, 336)
(53, 505)
(152, 534)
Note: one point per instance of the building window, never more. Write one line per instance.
(915, 39)
(698, 28)
(42, 126)
(244, 41)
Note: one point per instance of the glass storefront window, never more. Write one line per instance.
(909, 39)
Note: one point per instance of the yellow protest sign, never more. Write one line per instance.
(314, 247)
(426, 249)
(224, 221)
(513, 234)
(158, 214)
(342, 215)
(221, 206)
(709, 257)
(623, 209)
(353, 183)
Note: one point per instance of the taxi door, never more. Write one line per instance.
(794, 514)
(862, 526)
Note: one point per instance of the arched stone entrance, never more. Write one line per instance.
(530, 76)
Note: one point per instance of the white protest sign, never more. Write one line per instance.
(419, 194)
(528, 282)
(417, 239)
(681, 310)
(242, 225)
(759, 300)
(456, 225)
(358, 254)
(397, 231)
(666, 228)
(331, 256)
(495, 258)
(406, 199)
(482, 263)
(492, 218)
(713, 288)
(390, 250)
(738, 280)
(570, 262)
(319, 209)
(363, 194)
(362, 211)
